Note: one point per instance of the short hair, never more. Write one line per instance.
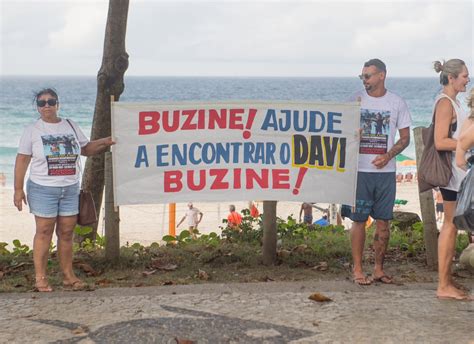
(232, 207)
(377, 63)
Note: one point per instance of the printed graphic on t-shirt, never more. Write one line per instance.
(61, 153)
(375, 125)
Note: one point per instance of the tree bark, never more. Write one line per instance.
(109, 82)
(269, 232)
(430, 230)
(112, 216)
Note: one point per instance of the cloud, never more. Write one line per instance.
(83, 28)
(315, 38)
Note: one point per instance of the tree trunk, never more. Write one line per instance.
(109, 82)
(269, 232)
(427, 210)
(112, 216)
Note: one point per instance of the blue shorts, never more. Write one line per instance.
(52, 201)
(375, 196)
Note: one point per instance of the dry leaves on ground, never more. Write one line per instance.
(318, 297)
(87, 269)
(203, 275)
(322, 266)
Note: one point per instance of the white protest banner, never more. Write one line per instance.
(220, 151)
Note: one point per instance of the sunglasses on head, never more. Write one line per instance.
(50, 102)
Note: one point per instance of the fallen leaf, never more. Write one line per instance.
(203, 275)
(103, 282)
(300, 248)
(18, 285)
(80, 330)
(87, 269)
(168, 267)
(184, 341)
(318, 297)
(123, 278)
(138, 285)
(157, 264)
(284, 253)
(15, 268)
(148, 273)
(323, 266)
(267, 279)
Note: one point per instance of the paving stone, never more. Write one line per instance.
(269, 312)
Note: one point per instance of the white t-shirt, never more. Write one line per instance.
(54, 151)
(192, 215)
(380, 120)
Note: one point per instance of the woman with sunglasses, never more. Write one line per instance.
(52, 190)
(449, 118)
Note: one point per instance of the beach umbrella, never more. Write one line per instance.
(407, 163)
(402, 157)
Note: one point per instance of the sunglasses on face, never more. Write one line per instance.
(50, 102)
(366, 76)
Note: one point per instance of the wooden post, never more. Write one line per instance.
(269, 232)
(112, 219)
(427, 210)
(172, 219)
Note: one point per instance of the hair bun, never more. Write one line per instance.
(438, 66)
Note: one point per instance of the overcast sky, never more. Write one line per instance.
(238, 38)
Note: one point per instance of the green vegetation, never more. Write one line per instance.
(303, 252)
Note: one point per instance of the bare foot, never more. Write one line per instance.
(360, 279)
(42, 285)
(452, 293)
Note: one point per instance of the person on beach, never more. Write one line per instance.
(438, 204)
(193, 221)
(234, 219)
(449, 119)
(3, 179)
(253, 209)
(376, 181)
(307, 209)
(52, 189)
(465, 145)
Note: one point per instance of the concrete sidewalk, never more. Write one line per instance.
(272, 312)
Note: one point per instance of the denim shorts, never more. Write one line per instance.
(375, 196)
(52, 201)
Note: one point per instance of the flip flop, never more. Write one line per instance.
(384, 279)
(77, 285)
(45, 287)
(363, 281)
(454, 298)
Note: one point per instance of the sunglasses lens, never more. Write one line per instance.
(50, 102)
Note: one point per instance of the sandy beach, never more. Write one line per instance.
(149, 223)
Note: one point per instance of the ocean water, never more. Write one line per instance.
(77, 98)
